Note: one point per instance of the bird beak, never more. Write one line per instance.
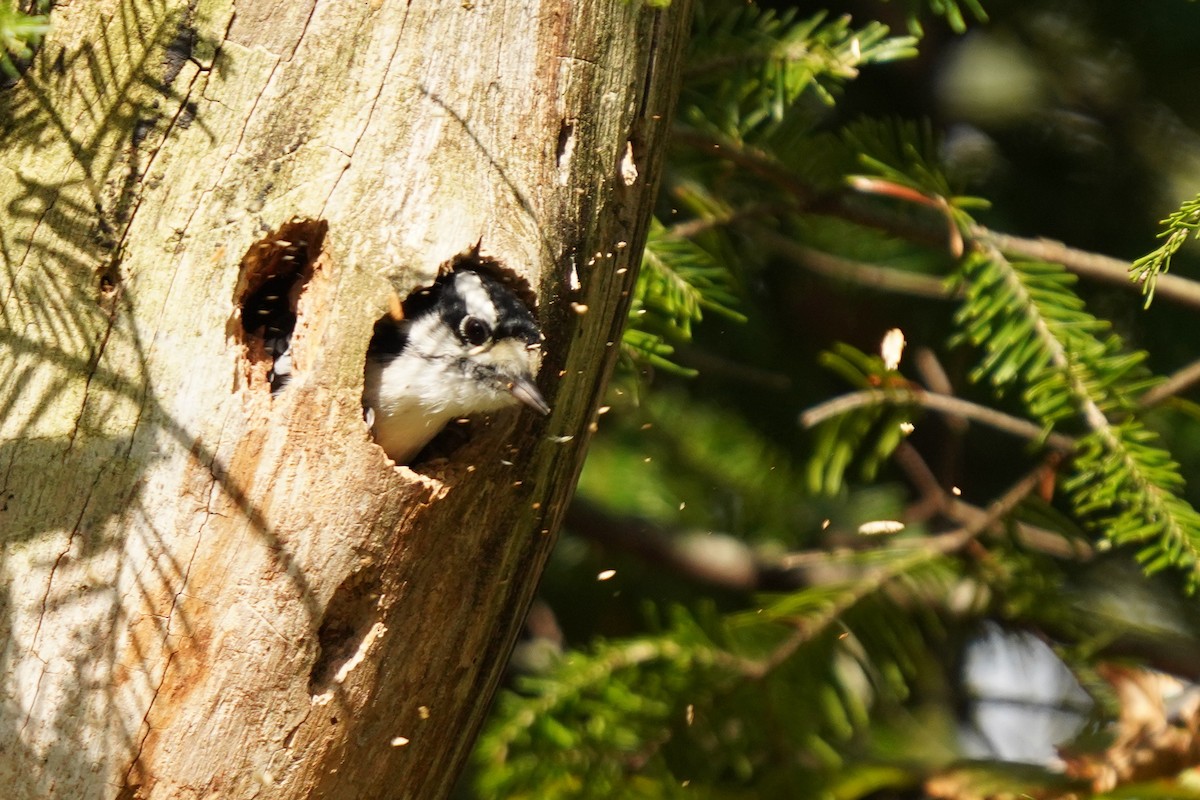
(523, 389)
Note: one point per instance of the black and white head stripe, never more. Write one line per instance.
(465, 345)
(474, 309)
(467, 293)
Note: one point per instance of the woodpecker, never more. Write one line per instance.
(463, 346)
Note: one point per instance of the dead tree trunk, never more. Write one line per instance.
(206, 591)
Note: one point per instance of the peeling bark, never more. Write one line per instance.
(209, 591)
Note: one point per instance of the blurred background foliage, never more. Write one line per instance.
(21, 27)
(803, 563)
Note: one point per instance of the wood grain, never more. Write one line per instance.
(209, 592)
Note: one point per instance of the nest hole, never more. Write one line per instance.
(274, 273)
(419, 300)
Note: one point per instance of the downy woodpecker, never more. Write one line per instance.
(465, 345)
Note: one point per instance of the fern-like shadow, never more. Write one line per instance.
(111, 103)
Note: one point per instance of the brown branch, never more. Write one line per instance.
(1105, 269)
(942, 544)
(869, 275)
(1179, 381)
(940, 403)
(932, 498)
(1095, 266)
(715, 366)
(1000, 508)
(931, 232)
(749, 159)
(729, 564)
(932, 373)
(1033, 537)
(695, 227)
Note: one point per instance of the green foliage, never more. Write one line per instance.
(679, 280)
(675, 449)
(749, 65)
(644, 717)
(1130, 488)
(904, 154)
(950, 10)
(844, 680)
(865, 435)
(1180, 226)
(19, 33)
(1035, 332)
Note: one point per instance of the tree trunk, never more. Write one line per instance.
(207, 591)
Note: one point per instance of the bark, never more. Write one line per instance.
(207, 591)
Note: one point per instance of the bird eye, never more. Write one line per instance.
(475, 331)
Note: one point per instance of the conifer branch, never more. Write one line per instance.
(997, 510)
(1035, 332)
(1102, 268)
(1149, 271)
(808, 199)
(871, 276)
(1177, 383)
(940, 403)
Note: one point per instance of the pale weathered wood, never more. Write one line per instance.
(177, 545)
